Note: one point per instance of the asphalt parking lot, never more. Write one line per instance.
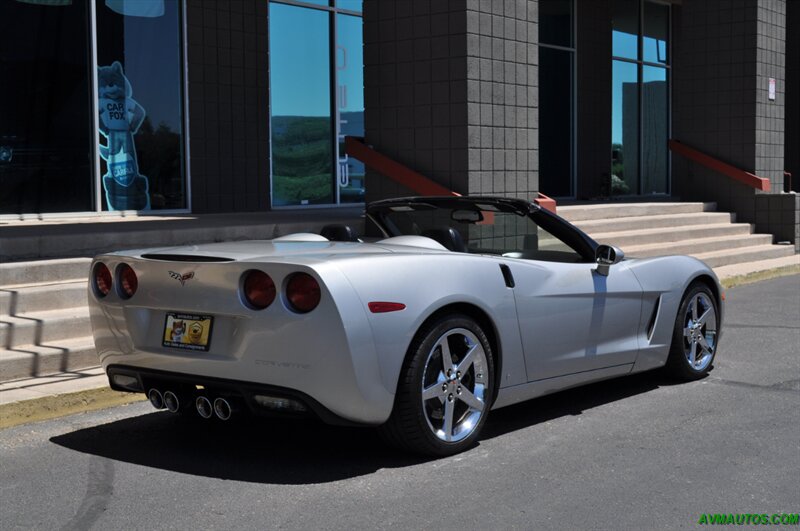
(640, 452)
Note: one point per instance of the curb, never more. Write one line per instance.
(53, 406)
(758, 276)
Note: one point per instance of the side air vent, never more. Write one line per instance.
(653, 318)
(185, 258)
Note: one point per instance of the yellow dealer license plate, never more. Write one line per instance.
(187, 331)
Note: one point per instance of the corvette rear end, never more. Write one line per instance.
(271, 328)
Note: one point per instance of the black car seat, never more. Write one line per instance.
(339, 233)
(449, 237)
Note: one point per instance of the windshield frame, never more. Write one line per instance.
(570, 235)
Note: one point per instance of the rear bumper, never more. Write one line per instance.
(243, 394)
(328, 355)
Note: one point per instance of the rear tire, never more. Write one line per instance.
(445, 389)
(694, 339)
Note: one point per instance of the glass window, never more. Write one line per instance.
(350, 96)
(654, 130)
(624, 129)
(656, 31)
(555, 22)
(555, 121)
(625, 29)
(300, 75)
(140, 95)
(352, 5)
(45, 108)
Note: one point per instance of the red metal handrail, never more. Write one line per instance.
(416, 182)
(402, 174)
(745, 177)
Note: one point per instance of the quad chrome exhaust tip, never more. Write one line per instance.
(222, 409)
(156, 399)
(171, 402)
(203, 406)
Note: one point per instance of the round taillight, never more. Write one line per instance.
(128, 283)
(303, 292)
(102, 279)
(259, 289)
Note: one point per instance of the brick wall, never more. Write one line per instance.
(450, 91)
(228, 105)
(415, 71)
(724, 55)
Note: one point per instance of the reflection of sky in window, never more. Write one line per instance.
(654, 73)
(152, 61)
(622, 72)
(655, 50)
(299, 61)
(624, 44)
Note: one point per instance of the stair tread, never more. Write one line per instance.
(698, 241)
(51, 347)
(613, 210)
(29, 318)
(726, 216)
(783, 249)
(38, 286)
(53, 261)
(664, 230)
(652, 204)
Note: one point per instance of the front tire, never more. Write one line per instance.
(694, 339)
(445, 389)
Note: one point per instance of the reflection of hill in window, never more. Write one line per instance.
(302, 150)
(158, 151)
(301, 145)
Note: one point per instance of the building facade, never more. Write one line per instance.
(209, 106)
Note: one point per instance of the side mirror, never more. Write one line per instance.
(606, 256)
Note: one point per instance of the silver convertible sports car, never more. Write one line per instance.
(461, 305)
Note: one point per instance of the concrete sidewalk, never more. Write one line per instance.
(35, 399)
(45, 397)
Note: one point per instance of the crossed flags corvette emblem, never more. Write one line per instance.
(182, 278)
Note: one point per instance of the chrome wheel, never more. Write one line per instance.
(455, 385)
(699, 332)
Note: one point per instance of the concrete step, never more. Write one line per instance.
(700, 245)
(26, 361)
(42, 297)
(624, 239)
(43, 271)
(747, 268)
(42, 328)
(745, 254)
(576, 213)
(654, 222)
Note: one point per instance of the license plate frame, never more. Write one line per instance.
(187, 331)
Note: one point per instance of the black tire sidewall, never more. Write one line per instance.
(677, 362)
(418, 356)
